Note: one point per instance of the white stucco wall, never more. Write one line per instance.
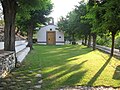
(41, 35)
(59, 36)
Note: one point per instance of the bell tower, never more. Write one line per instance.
(51, 21)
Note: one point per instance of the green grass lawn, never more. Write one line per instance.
(72, 65)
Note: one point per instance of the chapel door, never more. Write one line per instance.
(51, 38)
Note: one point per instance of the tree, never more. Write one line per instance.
(72, 29)
(10, 8)
(36, 16)
(68, 25)
(111, 19)
(84, 26)
(9, 11)
(93, 16)
(74, 25)
(63, 25)
(106, 17)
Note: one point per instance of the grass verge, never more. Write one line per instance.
(72, 65)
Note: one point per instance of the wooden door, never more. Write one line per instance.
(51, 38)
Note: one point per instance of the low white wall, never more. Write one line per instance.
(42, 43)
(19, 45)
(59, 43)
(1, 45)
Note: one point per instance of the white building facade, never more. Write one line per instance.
(50, 35)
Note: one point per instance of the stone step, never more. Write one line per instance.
(20, 47)
(17, 43)
(1, 45)
(22, 54)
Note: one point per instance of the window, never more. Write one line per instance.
(59, 36)
(50, 29)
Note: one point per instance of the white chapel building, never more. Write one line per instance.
(50, 35)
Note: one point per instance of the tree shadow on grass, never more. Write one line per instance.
(74, 79)
(94, 78)
(53, 56)
(72, 75)
(116, 75)
(57, 64)
(67, 69)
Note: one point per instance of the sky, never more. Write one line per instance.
(62, 7)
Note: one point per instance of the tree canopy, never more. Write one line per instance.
(97, 17)
(35, 17)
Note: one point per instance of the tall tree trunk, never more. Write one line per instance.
(73, 39)
(89, 40)
(112, 47)
(85, 39)
(9, 11)
(94, 41)
(82, 41)
(30, 36)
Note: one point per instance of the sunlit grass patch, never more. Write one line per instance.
(72, 65)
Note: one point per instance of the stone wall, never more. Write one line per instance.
(1, 37)
(7, 62)
(1, 34)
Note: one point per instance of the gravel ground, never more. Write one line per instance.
(89, 88)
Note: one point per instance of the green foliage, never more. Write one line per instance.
(104, 16)
(37, 16)
(63, 25)
(105, 40)
(111, 17)
(1, 22)
(93, 16)
(73, 24)
(117, 42)
(25, 6)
